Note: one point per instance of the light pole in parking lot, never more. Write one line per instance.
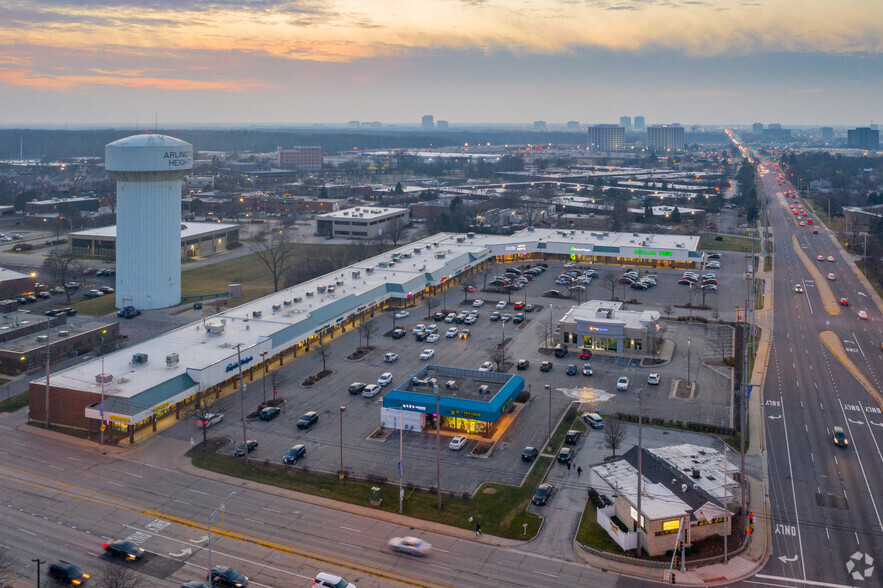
(211, 517)
(437, 450)
(342, 410)
(549, 390)
(689, 354)
(264, 361)
(38, 561)
(242, 400)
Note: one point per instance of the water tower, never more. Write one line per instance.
(148, 170)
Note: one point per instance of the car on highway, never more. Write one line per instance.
(522, 364)
(371, 390)
(452, 332)
(325, 580)
(64, 572)
(830, 258)
(308, 420)
(802, 224)
(862, 314)
(565, 455)
(390, 357)
(385, 379)
(820, 258)
(529, 453)
(427, 354)
(543, 493)
(844, 302)
(124, 549)
(433, 338)
(840, 439)
(653, 379)
(294, 454)
(487, 366)
(458, 442)
(798, 288)
(546, 366)
(269, 413)
(251, 444)
(409, 545)
(622, 384)
(571, 370)
(226, 576)
(402, 314)
(209, 419)
(832, 277)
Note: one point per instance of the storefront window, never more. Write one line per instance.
(469, 426)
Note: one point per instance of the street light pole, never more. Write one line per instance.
(101, 406)
(689, 355)
(211, 517)
(342, 410)
(437, 449)
(48, 357)
(39, 562)
(264, 361)
(549, 390)
(242, 401)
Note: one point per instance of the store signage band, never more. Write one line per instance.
(234, 364)
(519, 247)
(580, 249)
(414, 407)
(653, 252)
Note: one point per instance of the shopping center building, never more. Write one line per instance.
(601, 325)
(153, 383)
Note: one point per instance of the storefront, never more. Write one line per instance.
(603, 326)
(469, 401)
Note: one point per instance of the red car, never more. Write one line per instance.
(844, 302)
(809, 221)
(585, 354)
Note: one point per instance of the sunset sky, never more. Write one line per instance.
(95, 62)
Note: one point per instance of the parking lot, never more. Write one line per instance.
(461, 472)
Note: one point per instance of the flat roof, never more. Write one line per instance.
(188, 230)
(8, 274)
(56, 334)
(708, 462)
(369, 212)
(596, 311)
(657, 502)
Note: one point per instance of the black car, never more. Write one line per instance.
(357, 387)
(294, 454)
(529, 453)
(519, 318)
(67, 573)
(398, 333)
(439, 316)
(546, 366)
(227, 576)
(308, 420)
(522, 364)
(552, 293)
(128, 312)
(543, 494)
(269, 413)
(572, 437)
(560, 350)
(124, 549)
(565, 455)
(421, 336)
(251, 444)
(571, 370)
(197, 306)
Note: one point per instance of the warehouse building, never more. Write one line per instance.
(197, 240)
(363, 222)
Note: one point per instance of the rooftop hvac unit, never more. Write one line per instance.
(440, 255)
(103, 378)
(277, 307)
(356, 273)
(64, 333)
(298, 299)
(339, 283)
(461, 239)
(310, 293)
(369, 270)
(139, 359)
(171, 360)
(257, 314)
(286, 302)
(529, 230)
(214, 328)
(470, 235)
(321, 289)
(42, 338)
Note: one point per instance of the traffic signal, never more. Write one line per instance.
(750, 523)
(671, 578)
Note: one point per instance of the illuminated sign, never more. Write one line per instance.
(413, 407)
(162, 406)
(711, 522)
(671, 525)
(580, 249)
(598, 329)
(519, 247)
(634, 514)
(653, 252)
(118, 419)
(235, 364)
(465, 413)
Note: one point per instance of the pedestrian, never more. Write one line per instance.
(579, 471)
(477, 529)
(568, 467)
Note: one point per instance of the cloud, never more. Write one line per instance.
(31, 79)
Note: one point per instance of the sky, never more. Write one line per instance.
(294, 62)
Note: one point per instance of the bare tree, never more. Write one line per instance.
(668, 310)
(276, 251)
(615, 432)
(431, 303)
(368, 328)
(486, 272)
(531, 212)
(499, 354)
(7, 566)
(117, 576)
(61, 265)
(706, 292)
(277, 380)
(396, 230)
(203, 408)
(611, 279)
(466, 286)
(324, 352)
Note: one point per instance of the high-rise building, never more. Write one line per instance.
(757, 128)
(625, 122)
(640, 123)
(539, 125)
(299, 158)
(148, 170)
(572, 125)
(427, 122)
(606, 138)
(863, 138)
(353, 124)
(827, 134)
(665, 137)
(442, 124)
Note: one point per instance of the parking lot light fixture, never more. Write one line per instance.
(342, 410)
(549, 390)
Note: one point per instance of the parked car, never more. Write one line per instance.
(124, 549)
(560, 350)
(477, 303)
(565, 455)
(452, 332)
(571, 370)
(308, 420)
(93, 293)
(427, 354)
(63, 572)
(398, 333)
(294, 454)
(432, 338)
(439, 316)
(357, 387)
(409, 545)
(402, 314)
(552, 293)
(324, 580)
(653, 379)
(385, 379)
(390, 357)
(458, 442)
(522, 364)
(572, 437)
(486, 367)
(251, 444)
(543, 494)
(419, 329)
(128, 312)
(371, 390)
(622, 384)
(209, 419)
(585, 353)
(529, 453)
(269, 413)
(107, 289)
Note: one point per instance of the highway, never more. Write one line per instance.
(825, 500)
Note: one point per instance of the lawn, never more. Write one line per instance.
(14, 403)
(709, 242)
(592, 535)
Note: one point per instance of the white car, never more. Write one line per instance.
(411, 545)
(430, 329)
(458, 442)
(452, 332)
(385, 379)
(418, 330)
(478, 303)
(402, 314)
(486, 367)
(209, 419)
(862, 314)
(622, 384)
(427, 354)
(371, 390)
(713, 265)
(501, 305)
(450, 318)
(653, 379)
(325, 580)
(390, 357)
(470, 320)
(433, 338)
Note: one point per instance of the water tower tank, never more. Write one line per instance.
(148, 170)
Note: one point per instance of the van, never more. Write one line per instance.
(593, 420)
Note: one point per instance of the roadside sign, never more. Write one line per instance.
(103, 427)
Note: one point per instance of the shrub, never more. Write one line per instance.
(718, 238)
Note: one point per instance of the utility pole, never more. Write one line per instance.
(725, 503)
(437, 449)
(640, 452)
(549, 390)
(401, 457)
(242, 400)
(210, 518)
(342, 410)
(39, 562)
(264, 379)
(48, 357)
(101, 406)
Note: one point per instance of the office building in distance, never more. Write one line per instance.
(299, 158)
(606, 138)
(863, 138)
(625, 122)
(362, 222)
(427, 122)
(640, 123)
(665, 137)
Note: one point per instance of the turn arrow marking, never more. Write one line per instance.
(187, 551)
(202, 539)
(775, 417)
(785, 559)
(856, 422)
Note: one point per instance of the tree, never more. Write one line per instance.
(275, 249)
(324, 352)
(668, 310)
(611, 279)
(7, 566)
(197, 206)
(431, 302)
(117, 576)
(615, 432)
(61, 265)
(202, 408)
(399, 189)
(486, 271)
(676, 216)
(466, 287)
(499, 354)
(366, 329)
(396, 230)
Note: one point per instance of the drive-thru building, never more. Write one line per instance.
(469, 401)
(602, 325)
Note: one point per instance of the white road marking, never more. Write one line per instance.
(271, 509)
(184, 502)
(197, 491)
(116, 484)
(133, 475)
(793, 490)
(860, 465)
(544, 574)
(442, 567)
(873, 437)
(28, 532)
(55, 466)
(351, 529)
(859, 346)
